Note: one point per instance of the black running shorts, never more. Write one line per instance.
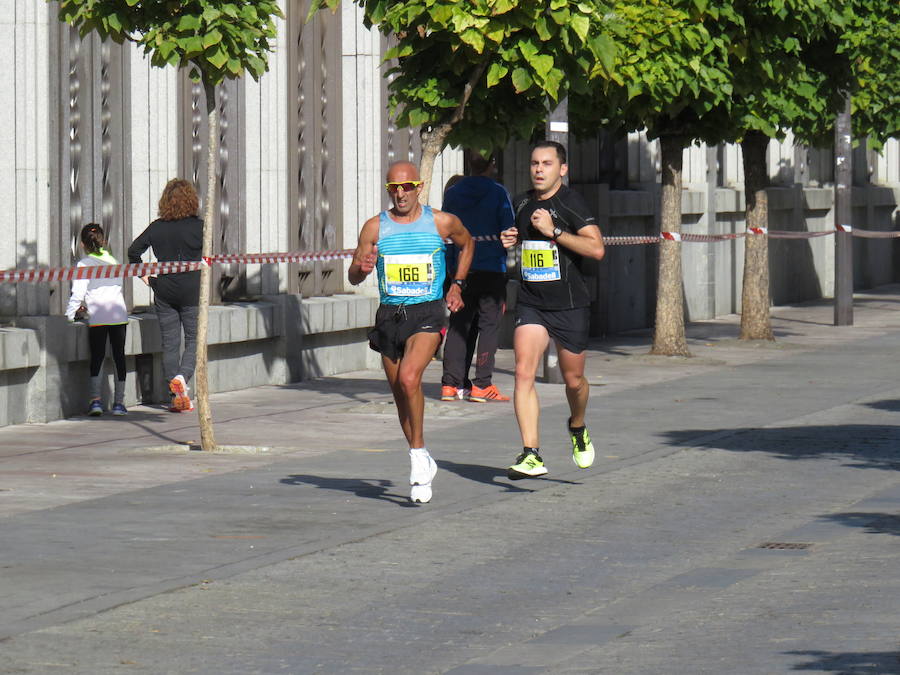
(568, 327)
(395, 324)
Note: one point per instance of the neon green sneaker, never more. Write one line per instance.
(528, 465)
(582, 448)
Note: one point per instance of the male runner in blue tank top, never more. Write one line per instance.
(405, 244)
(556, 231)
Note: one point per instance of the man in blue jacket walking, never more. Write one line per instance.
(484, 207)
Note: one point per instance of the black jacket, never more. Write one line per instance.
(173, 241)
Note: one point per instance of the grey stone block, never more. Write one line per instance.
(20, 348)
(237, 324)
(313, 316)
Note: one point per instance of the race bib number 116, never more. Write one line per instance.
(540, 261)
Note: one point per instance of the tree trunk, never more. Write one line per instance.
(201, 377)
(432, 144)
(433, 140)
(755, 321)
(668, 334)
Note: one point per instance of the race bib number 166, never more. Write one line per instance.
(408, 275)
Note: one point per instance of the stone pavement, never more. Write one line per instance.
(742, 517)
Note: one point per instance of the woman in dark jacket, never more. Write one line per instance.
(176, 236)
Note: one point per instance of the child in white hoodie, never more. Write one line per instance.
(107, 317)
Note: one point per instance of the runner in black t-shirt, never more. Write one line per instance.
(556, 233)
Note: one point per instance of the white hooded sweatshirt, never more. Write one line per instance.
(102, 297)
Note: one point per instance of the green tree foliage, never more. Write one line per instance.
(773, 89)
(482, 72)
(798, 61)
(870, 44)
(215, 40)
(741, 70)
(671, 77)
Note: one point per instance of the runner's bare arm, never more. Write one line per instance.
(366, 254)
(450, 227)
(586, 242)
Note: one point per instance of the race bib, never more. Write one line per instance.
(408, 275)
(540, 261)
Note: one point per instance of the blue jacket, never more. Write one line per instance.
(484, 207)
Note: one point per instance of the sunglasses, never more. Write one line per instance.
(407, 185)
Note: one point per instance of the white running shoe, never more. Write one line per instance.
(420, 494)
(421, 472)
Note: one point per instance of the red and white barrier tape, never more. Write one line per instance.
(872, 234)
(144, 269)
(292, 256)
(627, 240)
(773, 234)
(98, 271)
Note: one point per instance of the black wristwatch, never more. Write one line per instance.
(556, 232)
(461, 283)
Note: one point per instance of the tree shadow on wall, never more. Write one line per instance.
(24, 295)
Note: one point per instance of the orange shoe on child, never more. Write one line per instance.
(491, 393)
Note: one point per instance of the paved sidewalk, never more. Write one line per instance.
(297, 551)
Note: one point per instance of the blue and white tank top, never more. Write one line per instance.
(410, 260)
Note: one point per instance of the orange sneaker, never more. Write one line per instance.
(179, 390)
(449, 393)
(491, 393)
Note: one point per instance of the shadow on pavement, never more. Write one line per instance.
(851, 663)
(362, 487)
(866, 446)
(888, 404)
(359, 390)
(875, 523)
(480, 474)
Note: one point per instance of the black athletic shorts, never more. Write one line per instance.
(569, 327)
(395, 324)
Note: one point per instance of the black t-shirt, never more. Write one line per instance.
(173, 241)
(556, 277)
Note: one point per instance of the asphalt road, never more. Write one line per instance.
(742, 517)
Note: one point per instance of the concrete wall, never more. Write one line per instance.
(277, 340)
(801, 269)
(283, 338)
(25, 152)
(93, 132)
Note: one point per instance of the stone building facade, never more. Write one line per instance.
(92, 133)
